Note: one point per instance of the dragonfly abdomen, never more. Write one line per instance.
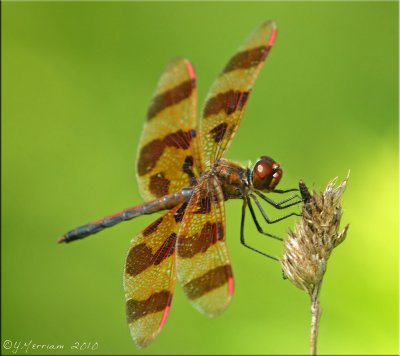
(163, 203)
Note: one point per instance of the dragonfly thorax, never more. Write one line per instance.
(233, 178)
(266, 174)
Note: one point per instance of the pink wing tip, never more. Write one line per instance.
(164, 317)
(230, 286)
(272, 37)
(190, 70)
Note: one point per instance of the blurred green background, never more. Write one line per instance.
(76, 82)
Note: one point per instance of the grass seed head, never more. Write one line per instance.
(308, 247)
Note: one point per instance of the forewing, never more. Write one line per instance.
(150, 277)
(169, 144)
(229, 93)
(203, 264)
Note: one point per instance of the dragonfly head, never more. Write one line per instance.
(266, 174)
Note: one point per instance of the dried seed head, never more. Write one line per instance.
(308, 247)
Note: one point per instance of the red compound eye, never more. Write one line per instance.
(263, 169)
(266, 174)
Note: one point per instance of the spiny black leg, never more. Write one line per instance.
(280, 191)
(266, 218)
(242, 233)
(278, 205)
(259, 228)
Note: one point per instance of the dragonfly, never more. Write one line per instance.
(181, 170)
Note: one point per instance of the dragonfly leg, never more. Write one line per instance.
(278, 205)
(242, 240)
(266, 218)
(259, 228)
(280, 191)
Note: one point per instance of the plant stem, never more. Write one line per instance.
(315, 316)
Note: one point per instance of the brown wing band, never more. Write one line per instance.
(171, 97)
(208, 281)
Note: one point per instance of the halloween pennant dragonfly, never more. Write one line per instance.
(181, 169)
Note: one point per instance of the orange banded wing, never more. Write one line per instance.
(229, 93)
(149, 279)
(203, 265)
(169, 144)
